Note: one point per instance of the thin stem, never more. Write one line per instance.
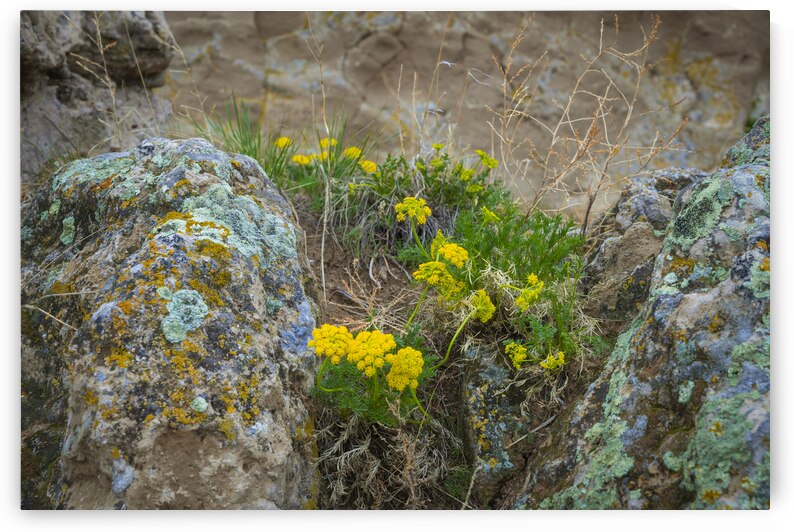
(320, 373)
(419, 242)
(418, 403)
(449, 349)
(419, 304)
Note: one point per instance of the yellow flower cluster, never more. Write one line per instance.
(517, 353)
(466, 174)
(483, 307)
(332, 342)
(406, 365)
(352, 152)
(324, 143)
(454, 254)
(488, 162)
(489, 216)
(302, 160)
(413, 208)
(368, 350)
(436, 274)
(553, 362)
(368, 166)
(529, 294)
(438, 147)
(283, 142)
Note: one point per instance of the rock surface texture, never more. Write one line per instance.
(630, 235)
(84, 81)
(679, 417)
(165, 325)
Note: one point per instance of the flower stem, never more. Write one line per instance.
(419, 304)
(418, 403)
(449, 349)
(320, 373)
(419, 242)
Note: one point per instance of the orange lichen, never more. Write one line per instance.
(207, 247)
(126, 305)
(119, 357)
(210, 295)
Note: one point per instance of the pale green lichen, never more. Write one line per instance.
(719, 448)
(67, 235)
(186, 311)
(253, 230)
(92, 170)
(702, 212)
(671, 461)
(165, 292)
(685, 391)
(25, 232)
(755, 352)
(759, 281)
(199, 404)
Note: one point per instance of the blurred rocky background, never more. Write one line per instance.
(440, 73)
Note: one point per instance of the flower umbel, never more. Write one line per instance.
(283, 142)
(412, 207)
(406, 365)
(368, 166)
(368, 350)
(302, 160)
(489, 216)
(483, 307)
(517, 353)
(553, 362)
(436, 274)
(331, 342)
(352, 152)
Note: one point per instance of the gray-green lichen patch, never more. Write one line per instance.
(759, 279)
(95, 169)
(702, 213)
(685, 391)
(721, 447)
(67, 235)
(186, 311)
(252, 229)
(199, 404)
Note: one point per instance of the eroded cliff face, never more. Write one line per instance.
(165, 322)
(679, 417)
(85, 83)
(396, 71)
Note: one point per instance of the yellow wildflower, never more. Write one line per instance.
(302, 160)
(488, 162)
(283, 142)
(438, 147)
(332, 342)
(466, 174)
(553, 362)
(437, 163)
(489, 216)
(529, 295)
(368, 166)
(352, 152)
(435, 274)
(475, 188)
(368, 350)
(454, 254)
(413, 208)
(406, 366)
(324, 143)
(517, 353)
(483, 307)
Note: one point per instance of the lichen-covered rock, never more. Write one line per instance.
(679, 417)
(629, 237)
(172, 355)
(77, 95)
(496, 435)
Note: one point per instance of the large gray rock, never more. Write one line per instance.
(629, 236)
(679, 417)
(164, 335)
(85, 80)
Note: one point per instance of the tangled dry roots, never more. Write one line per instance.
(367, 465)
